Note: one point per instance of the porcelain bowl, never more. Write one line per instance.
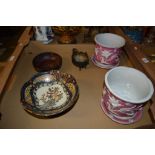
(108, 48)
(125, 92)
(129, 84)
(49, 94)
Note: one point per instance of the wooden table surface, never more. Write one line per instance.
(86, 113)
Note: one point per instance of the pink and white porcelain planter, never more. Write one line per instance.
(108, 48)
(125, 92)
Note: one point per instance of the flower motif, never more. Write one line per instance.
(106, 54)
(52, 95)
(114, 102)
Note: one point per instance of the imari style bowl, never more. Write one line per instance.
(49, 93)
(108, 48)
(125, 92)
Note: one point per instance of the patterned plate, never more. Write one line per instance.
(49, 93)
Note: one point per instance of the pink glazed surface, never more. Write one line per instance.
(106, 55)
(119, 110)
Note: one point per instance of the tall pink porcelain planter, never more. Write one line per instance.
(125, 92)
(108, 48)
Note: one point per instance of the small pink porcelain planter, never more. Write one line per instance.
(125, 92)
(108, 48)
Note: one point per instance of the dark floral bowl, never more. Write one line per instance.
(47, 61)
(49, 94)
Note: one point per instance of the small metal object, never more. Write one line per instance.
(79, 58)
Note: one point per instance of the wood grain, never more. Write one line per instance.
(9, 65)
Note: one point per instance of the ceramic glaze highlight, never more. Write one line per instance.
(108, 49)
(125, 92)
(49, 94)
(119, 110)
